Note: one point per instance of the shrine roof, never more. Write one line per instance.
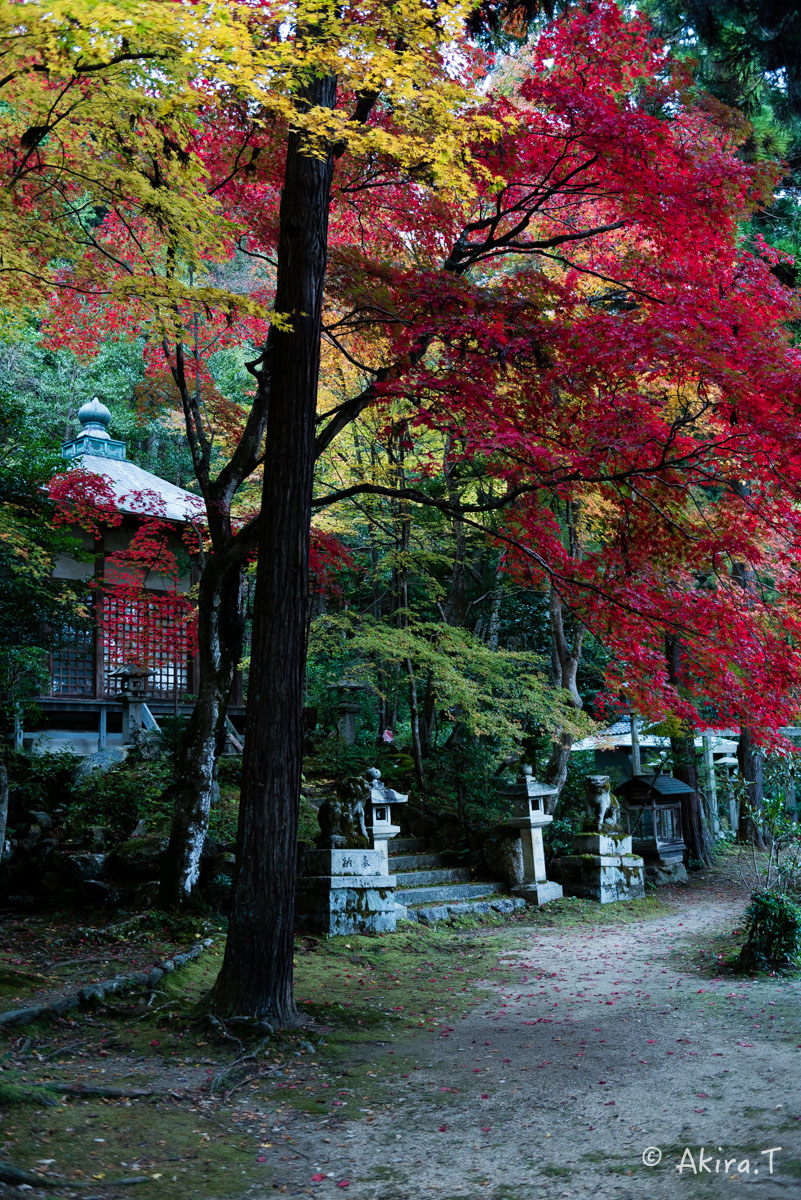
(136, 491)
(141, 493)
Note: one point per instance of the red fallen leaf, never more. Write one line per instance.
(261, 1158)
(343, 1183)
(485, 1128)
(485, 1096)
(316, 1178)
(154, 1043)
(443, 1128)
(608, 1102)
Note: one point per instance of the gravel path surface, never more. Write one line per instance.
(592, 1045)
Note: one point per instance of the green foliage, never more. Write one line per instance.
(308, 825)
(42, 781)
(31, 600)
(492, 693)
(570, 815)
(119, 799)
(774, 932)
(123, 796)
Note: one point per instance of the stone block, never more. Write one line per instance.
(538, 894)
(354, 905)
(430, 916)
(662, 874)
(601, 843)
(606, 879)
(507, 904)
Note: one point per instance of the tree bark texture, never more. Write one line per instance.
(221, 631)
(749, 756)
(685, 768)
(256, 974)
(565, 659)
(3, 806)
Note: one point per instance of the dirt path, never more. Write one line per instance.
(592, 1045)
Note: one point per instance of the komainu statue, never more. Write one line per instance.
(341, 817)
(602, 808)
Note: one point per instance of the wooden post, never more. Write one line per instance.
(636, 761)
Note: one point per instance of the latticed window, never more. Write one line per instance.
(73, 661)
(151, 631)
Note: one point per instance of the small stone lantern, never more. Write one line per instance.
(132, 692)
(349, 706)
(530, 818)
(381, 800)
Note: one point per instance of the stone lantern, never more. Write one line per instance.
(530, 818)
(349, 706)
(381, 800)
(132, 681)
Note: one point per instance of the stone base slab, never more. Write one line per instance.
(601, 843)
(539, 893)
(344, 906)
(606, 878)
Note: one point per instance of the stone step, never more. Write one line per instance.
(414, 862)
(410, 845)
(431, 914)
(418, 879)
(446, 894)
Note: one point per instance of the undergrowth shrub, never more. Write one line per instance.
(773, 925)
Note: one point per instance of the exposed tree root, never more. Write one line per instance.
(93, 992)
(18, 1178)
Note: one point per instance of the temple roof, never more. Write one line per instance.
(136, 491)
(129, 482)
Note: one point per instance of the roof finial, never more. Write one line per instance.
(94, 418)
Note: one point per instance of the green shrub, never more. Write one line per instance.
(40, 781)
(123, 796)
(773, 924)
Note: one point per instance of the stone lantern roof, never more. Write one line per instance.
(137, 492)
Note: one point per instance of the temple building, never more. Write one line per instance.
(81, 711)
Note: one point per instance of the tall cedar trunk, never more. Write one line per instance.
(3, 806)
(749, 757)
(256, 974)
(221, 631)
(565, 659)
(685, 768)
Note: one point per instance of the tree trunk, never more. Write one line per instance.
(3, 806)
(565, 661)
(749, 756)
(685, 768)
(221, 631)
(256, 974)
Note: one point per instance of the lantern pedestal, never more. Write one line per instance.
(602, 866)
(605, 872)
(344, 891)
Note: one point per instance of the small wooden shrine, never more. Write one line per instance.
(653, 807)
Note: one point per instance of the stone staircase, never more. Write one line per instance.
(432, 890)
